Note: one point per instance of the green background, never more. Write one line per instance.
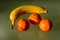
(34, 33)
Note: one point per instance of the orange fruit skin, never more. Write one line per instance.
(45, 25)
(23, 25)
(34, 18)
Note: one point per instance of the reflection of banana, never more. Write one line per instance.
(25, 9)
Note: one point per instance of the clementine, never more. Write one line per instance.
(23, 25)
(34, 18)
(45, 24)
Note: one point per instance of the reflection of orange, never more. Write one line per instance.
(23, 25)
(34, 18)
(45, 25)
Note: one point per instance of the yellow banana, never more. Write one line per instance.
(25, 9)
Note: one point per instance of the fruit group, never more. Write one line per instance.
(23, 25)
(34, 18)
(45, 24)
(17, 12)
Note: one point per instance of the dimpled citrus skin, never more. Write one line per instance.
(34, 18)
(45, 25)
(23, 25)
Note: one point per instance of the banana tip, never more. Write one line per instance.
(12, 26)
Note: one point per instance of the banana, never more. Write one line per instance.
(17, 12)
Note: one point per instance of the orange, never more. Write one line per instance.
(23, 25)
(45, 24)
(34, 18)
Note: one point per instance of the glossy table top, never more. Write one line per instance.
(34, 33)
